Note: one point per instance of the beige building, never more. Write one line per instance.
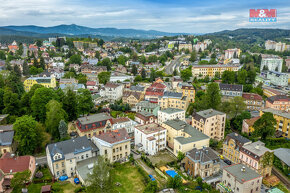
(173, 100)
(170, 114)
(278, 102)
(187, 90)
(202, 162)
(114, 145)
(210, 70)
(232, 145)
(241, 179)
(183, 137)
(210, 122)
(132, 97)
(144, 117)
(185, 47)
(6, 139)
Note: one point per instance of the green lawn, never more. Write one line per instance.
(61, 187)
(129, 177)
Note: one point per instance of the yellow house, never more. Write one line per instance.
(187, 90)
(283, 120)
(173, 100)
(49, 82)
(183, 137)
(210, 70)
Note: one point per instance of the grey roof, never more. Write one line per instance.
(277, 112)
(207, 114)
(171, 110)
(76, 145)
(283, 154)
(239, 138)
(202, 155)
(84, 167)
(194, 134)
(168, 94)
(145, 114)
(137, 88)
(242, 176)
(3, 117)
(147, 105)
(94, 118)
(258, 148)
(231, 87)
(72, 86)
(6, 128)
(6, 138)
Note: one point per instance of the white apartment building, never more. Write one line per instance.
(271, 63)
(150, 138)
(112, 91)
(124, 122)
(170, 114)
(277, 78)
(232, 53)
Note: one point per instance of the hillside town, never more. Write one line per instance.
(170, 115)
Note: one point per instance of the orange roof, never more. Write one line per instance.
(252, 121)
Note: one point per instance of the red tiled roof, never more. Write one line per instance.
(111, 85)
(14, 164)
(272, 99)
(91, 83)
(114, 136)
(251, 121)
(252, 96)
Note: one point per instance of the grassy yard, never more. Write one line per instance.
(60, 187)
(161, 158)
(129, 177)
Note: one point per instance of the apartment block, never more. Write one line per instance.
(170, 114)
(201, 71)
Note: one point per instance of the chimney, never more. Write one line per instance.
(236, 134)
(243, 169)
(257, 147)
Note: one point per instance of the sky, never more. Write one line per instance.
(188, 16)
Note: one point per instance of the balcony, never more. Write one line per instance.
(223, 188)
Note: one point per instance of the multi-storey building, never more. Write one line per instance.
(278, 102)
(132, 98)
(231, 90)
(270, 45)
(253, 156)
(232, 53)
(170, 114)
(150, 138)
(277, 78)
(271, 62)
(144, 117)
(114, 145)
(282, 118)
(241, 179)
(187, 90)
(201, 71)
(173, 100)
(112, 91)
(155, 91)
(268, 92)
(6, 139)
(175, 81)
(248, 124)
(48, 82)
(124, 122)
(202, 162)
(232, 146)
(253, 101)
(94, 124)
(147, 107)
(210, 122)
(185, 46)
(182, 137)
(63, 156)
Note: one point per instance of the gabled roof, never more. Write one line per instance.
(251, 121)
(137, 95)
(283, 154)
(257, 148)
(112, 85)
(14, 164)
(272, 99)
(114, 136)
(252, 96)
(6, 138)
(202, 155)
(231, 87)
(168, 94)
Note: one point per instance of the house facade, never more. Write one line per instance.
(278, 102)
(112, 91)
(231, 90)
(132, 97)
(48, 82)
(147, 107)
(170, 114)
(6, 139)
(253, 101)
(173, 100)
(124, 122)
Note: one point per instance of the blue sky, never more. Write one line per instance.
(189, 16)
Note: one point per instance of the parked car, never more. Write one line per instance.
(151, 177)
(221, 156)
(228, 162)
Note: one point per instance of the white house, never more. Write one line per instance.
(112, 91)
(150, 138)
(124, 122)
(170, 114)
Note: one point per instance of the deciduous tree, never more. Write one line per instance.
(265, 126)
(84, 101)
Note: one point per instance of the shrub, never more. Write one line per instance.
(79, 189)
(39, 174)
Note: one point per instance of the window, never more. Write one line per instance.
(62, 164)
(126, 146)
(87, 155)
(106, 152)
(56, 166)
(114, 150)
(82, 156)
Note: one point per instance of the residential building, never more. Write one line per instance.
(277, 78)
(94, 124)
(210, 122)
(278, 102)
(170, 114)
(92, 86)
(68, 81)
(173, 100)
(155, 91)
(248, 124)
(270, 45)
(11, 164)
(232, 146)
(253, 101)
(74, 87)
(132, 97)
(88, 69)
(187, 90)
(183, 137)
(147, 107)
(253, 154)
(120, 77)
(84, 168)
(231, 90)
(232, 53)
(124, 122)
(150, 138)
(175, 81)
(13, 47)
(48, 82)
(76, 67)
(283, 121)
(268, 92)
(6, 139)
(201, 71)
(114, 145)
(202, 162)
(137, 88)
(283, 155)
(112, 91)
(241, 179)
(63, 156)
(144, 118)
(271, 62)
(185, 46)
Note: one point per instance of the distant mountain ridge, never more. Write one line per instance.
(76, 30)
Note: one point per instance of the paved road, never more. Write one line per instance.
(41, 160)
(173, 65)
(24, 51)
